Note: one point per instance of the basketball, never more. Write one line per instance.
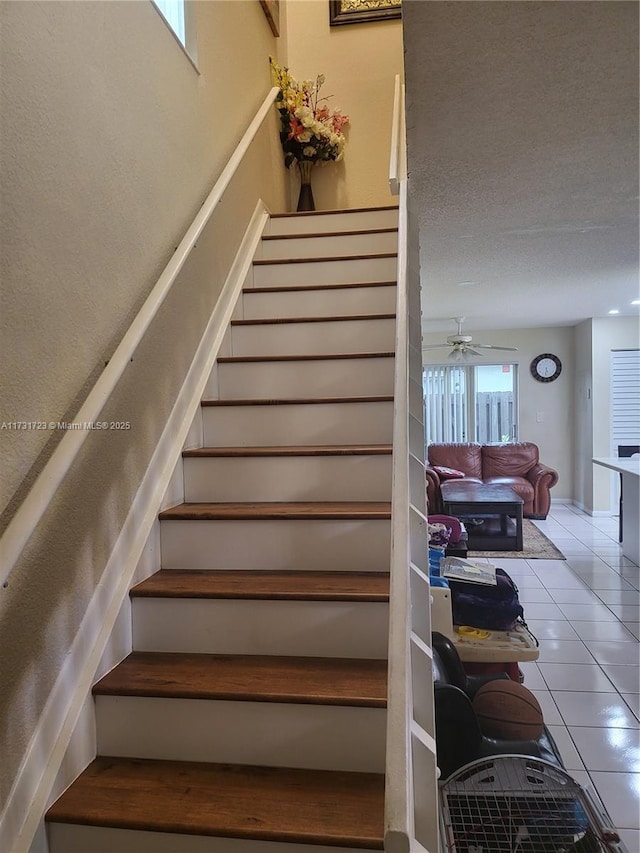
(506, 709)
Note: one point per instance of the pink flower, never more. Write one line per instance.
(296, 128)
(339, 121)
(322, 114)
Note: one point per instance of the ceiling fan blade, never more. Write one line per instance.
(472, 350)
(490, 346)
(436, 346)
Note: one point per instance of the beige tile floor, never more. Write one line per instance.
(585, 612)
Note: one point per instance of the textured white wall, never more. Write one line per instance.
(110, 143)
(554, 434)
(360, 62)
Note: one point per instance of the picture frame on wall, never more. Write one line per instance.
(272, 11)
(363, 11)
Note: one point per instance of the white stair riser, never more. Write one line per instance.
(301, 423)
(275, 734)
(333, 222)
(249, 627)
(323, 338)
(267, 380)
(322, 545)
(341, 271)
(340, 301)
(295, 478)
(69, 838)
(329, 246)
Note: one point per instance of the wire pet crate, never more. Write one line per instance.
(518, 804)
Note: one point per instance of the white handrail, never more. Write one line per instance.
(397, 164)
(411, 811)
(398, 798)
(35, 504)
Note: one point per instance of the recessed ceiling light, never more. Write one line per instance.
(614, 311)
(636, 302)
(468, 283)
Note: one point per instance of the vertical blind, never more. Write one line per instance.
(470, 403)
(625, 398)
(446, 403)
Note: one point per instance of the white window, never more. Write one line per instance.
(173, 13)
(467, 402)
(179, 16)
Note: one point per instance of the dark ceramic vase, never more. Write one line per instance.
(305, 199)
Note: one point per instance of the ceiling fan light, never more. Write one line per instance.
(462, 347)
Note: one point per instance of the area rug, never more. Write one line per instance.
(536, 546)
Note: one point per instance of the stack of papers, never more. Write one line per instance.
(455, 568)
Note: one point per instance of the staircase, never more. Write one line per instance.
(250, 716)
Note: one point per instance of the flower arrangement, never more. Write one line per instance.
(309, 130)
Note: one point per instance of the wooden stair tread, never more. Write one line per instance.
(288, 401)
(263, 584)
(339, 356)
(302, 287)
(302, 236)
(256, 678)
(342, 318)
(292, 450)
(271, 510)
(370, 256)
(304, 213)
(227, 800)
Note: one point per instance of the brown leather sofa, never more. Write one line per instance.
(516, 465)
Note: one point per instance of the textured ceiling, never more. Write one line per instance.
(522, 132)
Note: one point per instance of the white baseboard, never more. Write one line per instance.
(594, 513)
(33, 789)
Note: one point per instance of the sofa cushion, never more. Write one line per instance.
(508, 460)
(464, 457)
(448, 473)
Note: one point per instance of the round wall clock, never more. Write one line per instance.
(546, 367)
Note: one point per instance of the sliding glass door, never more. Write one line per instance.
(470, 402)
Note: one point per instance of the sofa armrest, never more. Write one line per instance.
(434, 496)
(542, 478)
(542, 473)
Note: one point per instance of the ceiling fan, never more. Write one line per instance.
(461, 345)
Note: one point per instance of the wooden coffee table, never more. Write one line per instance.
(498, 508)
